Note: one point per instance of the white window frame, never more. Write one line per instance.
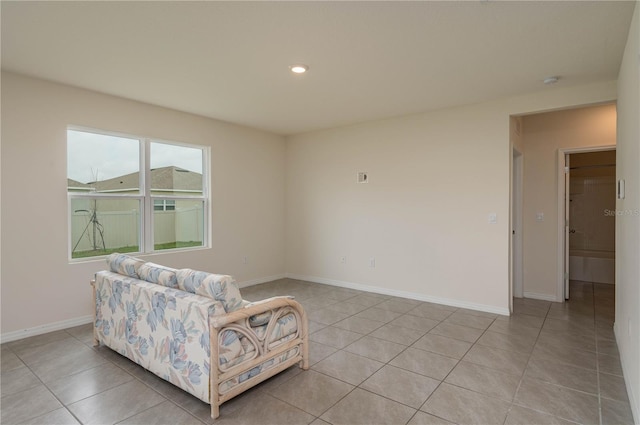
(145, 198)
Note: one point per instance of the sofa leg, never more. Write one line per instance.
(304, 363)
(215, 411)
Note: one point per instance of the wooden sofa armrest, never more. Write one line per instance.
(217, 323)
(266, 300)
(257, 308)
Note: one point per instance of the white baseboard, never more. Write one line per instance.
(402, 294)
(260, 280)
(536, 296)
(43, 329)
(64, 324)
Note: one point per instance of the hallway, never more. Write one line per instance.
(576, 348)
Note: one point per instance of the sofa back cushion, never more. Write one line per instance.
(124, 264)
(155, 273)
(216, 286)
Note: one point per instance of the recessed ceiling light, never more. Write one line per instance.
(551, 80)
(299, 69)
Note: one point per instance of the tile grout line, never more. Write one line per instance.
(390, 360)
(64, 406)
(388, 363)
(524, 371)
(547, 316)
(339, 349)
(595, 334)
(134, 377)
(456, 365)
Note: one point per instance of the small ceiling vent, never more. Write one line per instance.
(363, 177)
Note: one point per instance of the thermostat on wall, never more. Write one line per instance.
(363, 177)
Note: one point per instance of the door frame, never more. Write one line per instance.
(563, 243)
(517, 175)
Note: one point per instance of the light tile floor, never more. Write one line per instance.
(375, 359)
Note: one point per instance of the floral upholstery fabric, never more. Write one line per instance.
(216, 286)
(286, 328)
(257, 319)
(230, 348)
(160, 318)
(161, 275)
(260, 319)
(162, 329)
(124, 264)
(227, 385)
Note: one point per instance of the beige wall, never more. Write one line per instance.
(434, 180)
(544, 134)
(39, 286)
(418, 224)
(627, 325)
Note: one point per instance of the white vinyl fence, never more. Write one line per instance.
(184, 224)
(120, 228)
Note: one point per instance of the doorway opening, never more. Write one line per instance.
(587, 199)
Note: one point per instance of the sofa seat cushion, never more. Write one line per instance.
(229, 384)
(286, 328)
(230, 349)
(124, 264)
(257, 319)
(156, 273)
(216, 286)
(235, 348)
(260, 319)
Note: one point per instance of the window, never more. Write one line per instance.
(130, 194)
(164, 204)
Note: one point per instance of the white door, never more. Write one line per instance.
(567, 199)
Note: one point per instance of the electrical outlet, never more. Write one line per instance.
(372, 262)
(343, 260)
(245, 260)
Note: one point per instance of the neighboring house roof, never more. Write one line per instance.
(173, 179)
(76, 185)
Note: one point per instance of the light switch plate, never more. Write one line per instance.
(493, 218)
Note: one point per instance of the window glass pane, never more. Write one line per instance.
(103, 226)
(102, 163)
(175, 170)
(180, 225)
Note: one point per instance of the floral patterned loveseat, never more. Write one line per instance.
(194, 330)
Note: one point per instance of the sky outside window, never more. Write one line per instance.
(96, 157)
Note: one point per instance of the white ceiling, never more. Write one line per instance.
(368, 60)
